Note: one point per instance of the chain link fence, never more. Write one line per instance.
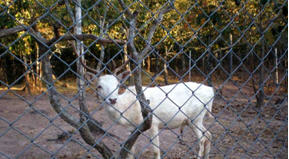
(112, 79)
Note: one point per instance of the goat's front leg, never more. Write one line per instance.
(155, 141)
(204, 137)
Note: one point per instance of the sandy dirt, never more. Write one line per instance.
(30, 129)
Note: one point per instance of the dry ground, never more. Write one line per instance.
(239, 131)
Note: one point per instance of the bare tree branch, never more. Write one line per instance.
(84, 113)
(83, 37)
(131, 36)
(53, 94)
(126, 9)
(93, 124)
(55, 103)
(69, 10)
(145, 108)
(6, 32)
(138, 57)
(155, 24)
(120, 67)
(101, 147)
(103, 31)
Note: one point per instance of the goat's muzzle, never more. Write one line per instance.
(112, 100)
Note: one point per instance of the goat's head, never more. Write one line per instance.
(109, 86)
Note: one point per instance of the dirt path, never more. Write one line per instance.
(239, 131)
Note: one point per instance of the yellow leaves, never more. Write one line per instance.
(90, 28)
(172, 21)
(116, 32)
(27, 48)
(182, 5)
(23, 17)
(98, 47)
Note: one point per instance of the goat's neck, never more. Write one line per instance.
(116, 109)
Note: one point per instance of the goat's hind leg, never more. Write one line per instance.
(155, 141)
(181, 136)
(204, 137)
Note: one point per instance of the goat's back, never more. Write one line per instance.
(174, 103)
(171, 104)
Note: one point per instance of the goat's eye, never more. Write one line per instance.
(99, 87)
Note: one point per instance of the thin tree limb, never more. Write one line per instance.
(6, 32)
(131, 36)
(93, 124)
(84, 115)
(126, 9)
(103, 30)
(69, 10)
(83, 37)
(54, 95)
(153, 28)
(145, 108)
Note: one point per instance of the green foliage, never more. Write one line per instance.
(205, 19)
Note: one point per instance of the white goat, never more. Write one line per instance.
(173, 106)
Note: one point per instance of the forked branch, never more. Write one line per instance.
(154, 26)
(145, 108)
(82, 37)
(138, 57)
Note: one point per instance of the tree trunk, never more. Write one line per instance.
(80, 69)
(38, 82)
(127, 67)
(157, 64)
(102, 51)
(276, 67)
(190, 65)
(27, 87)
(165, 67)
(33, 77)
(3, 70)
(208, 69)
(84, 114)
(148, 61)
(231, 53)
(183, 61)
(260, 95)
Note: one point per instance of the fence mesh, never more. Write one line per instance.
(235, 52)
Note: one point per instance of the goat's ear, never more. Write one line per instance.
(90, 77)
(123, 75)
(121, 90)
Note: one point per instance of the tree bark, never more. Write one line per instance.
(138, 58)
(148, 61)
(183, 61)
(27, 87)
(165, 67)
(260, 95)
(32, 72)
(276, 67)
(38, 82)
(3, 70)
(102, 51)
(52, 92)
